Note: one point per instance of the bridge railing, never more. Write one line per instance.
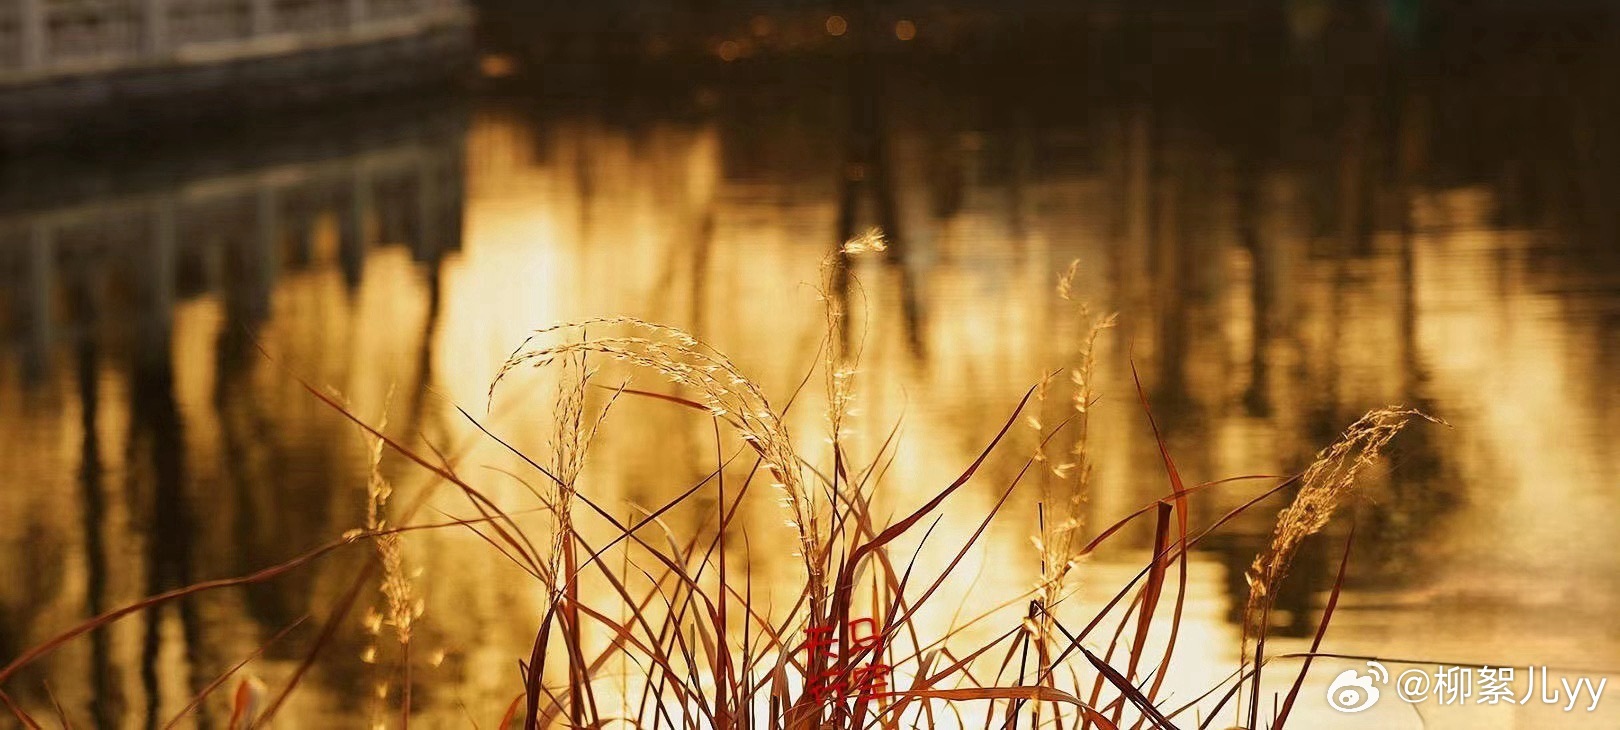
(44, 38)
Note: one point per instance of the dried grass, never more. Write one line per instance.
(703, 651)
(1326, 486)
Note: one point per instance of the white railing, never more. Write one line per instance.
(44, 38)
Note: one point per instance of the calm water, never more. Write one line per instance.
(1295, 226)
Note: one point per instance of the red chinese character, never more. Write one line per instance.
(871, 679)
(825, 659)
(859, 641)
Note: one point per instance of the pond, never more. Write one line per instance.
(1294, 229)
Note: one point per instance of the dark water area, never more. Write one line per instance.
(1299, 214)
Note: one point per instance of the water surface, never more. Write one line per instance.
(1294, 226)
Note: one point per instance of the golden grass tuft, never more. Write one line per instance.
(1326, 485)
(1065, 490)
(670, 637)
(722, 389)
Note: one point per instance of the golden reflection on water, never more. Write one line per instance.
(145, 442)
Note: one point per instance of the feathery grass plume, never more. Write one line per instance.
(842, 362)
(570, 440)
(1068, 484)
(720, 386)
(1325, 486)
(401, 606)
(871, 240)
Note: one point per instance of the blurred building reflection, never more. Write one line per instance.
(182, 461)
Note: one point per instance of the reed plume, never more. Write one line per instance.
(401, 604)
(1327, 483)
(1325, 486)
(842, 361)
(1068, 485)
(720, 387)
(570, 440)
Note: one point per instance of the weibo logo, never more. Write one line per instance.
(1353, 691)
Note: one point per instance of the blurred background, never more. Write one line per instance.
(1301, 209)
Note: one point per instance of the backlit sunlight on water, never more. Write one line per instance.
(1281, 263)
